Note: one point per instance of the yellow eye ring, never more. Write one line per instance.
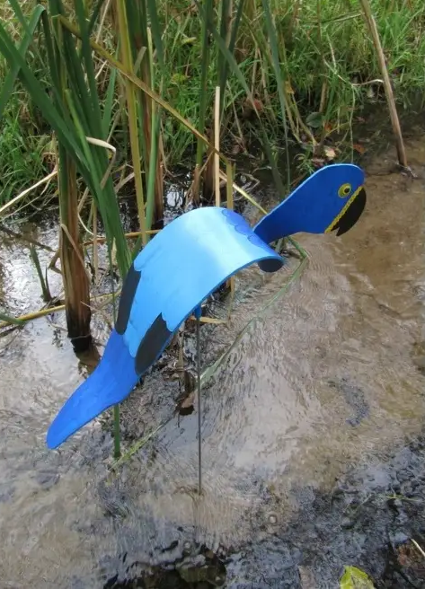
(344, 190)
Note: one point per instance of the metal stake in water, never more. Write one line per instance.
(198, 374)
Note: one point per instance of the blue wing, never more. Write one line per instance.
(188, 260)
(184, 264)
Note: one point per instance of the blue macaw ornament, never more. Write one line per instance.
(187, 261)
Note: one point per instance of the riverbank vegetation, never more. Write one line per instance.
(326, 60)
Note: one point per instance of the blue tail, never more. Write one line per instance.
(108, 385)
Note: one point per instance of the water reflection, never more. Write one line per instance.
(324, 381)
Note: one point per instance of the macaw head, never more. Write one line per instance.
(331, 199)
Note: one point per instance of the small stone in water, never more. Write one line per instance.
(347, 523)
(6, 493)
(272, 519)
(47, 479)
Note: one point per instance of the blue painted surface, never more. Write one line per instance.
(313, 205)
(111, 382)
(190, 258)
(181, 266)
(187, 261)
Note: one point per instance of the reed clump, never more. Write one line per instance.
(326, 60)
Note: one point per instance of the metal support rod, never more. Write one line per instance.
(198, 371)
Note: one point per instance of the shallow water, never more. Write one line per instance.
(327, 381)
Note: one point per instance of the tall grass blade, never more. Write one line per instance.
(109, 104)
(155, 196)
(236, 70)
(75, 279)
(10, 79)
(280, 81)
(143, 86)
(127, 59)
(232, 45)
(95, 15)
(39, 96)
(20, 16)
(205, 61)
(156, 30)
(44, 287)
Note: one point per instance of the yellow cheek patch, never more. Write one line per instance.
(344, 209)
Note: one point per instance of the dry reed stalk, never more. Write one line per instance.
(370, 20)
(15, 199)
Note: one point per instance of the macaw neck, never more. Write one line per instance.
(285, 219)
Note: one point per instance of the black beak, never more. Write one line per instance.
(352, 214)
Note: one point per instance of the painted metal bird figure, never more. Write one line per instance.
(187, 261)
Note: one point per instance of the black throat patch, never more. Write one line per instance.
(352, 214)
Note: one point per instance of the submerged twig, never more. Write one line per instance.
(416, 545)
(22, 319)
(137, 446)
(24, 238)
(14, 200)
(7, 321)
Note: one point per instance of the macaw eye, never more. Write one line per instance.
(344, 190)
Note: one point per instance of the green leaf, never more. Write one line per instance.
(272, 34)
(315, 120)
(109, 104)
(38, 94)
(8, 319)
(354, 578)
(156, 31)
(10, 80)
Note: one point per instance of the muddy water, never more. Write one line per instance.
(328, 381)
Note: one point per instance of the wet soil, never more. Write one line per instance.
(313, 428)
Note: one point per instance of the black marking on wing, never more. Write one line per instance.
(270, 265)
(130, 285)
(152, 344)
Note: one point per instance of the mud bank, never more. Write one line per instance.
(369, 518)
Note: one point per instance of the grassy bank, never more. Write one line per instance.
(327, 63)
